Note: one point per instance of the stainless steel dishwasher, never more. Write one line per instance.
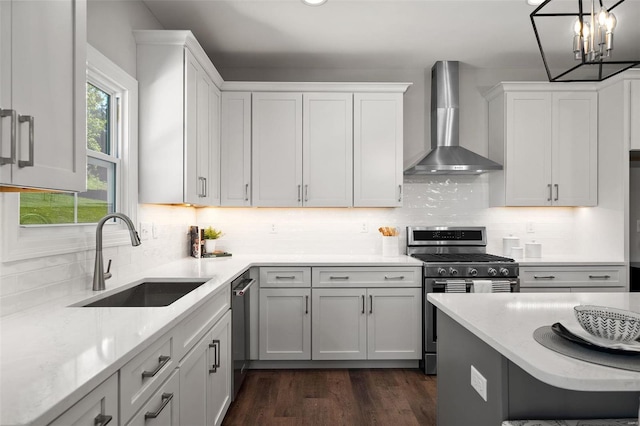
(240, 314)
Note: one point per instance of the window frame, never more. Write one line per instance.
(34, 241)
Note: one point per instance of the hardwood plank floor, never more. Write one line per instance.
(335, 397)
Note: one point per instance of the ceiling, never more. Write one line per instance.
(365, 34)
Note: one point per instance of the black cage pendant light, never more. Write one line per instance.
(576, 38)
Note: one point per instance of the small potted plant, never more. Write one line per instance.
(210, 236)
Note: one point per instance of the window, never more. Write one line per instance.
(43, 223)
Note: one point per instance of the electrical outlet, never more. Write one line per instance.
(479, 383)
(274, 229)
(145, 230)
(364, 228)
(530, 228)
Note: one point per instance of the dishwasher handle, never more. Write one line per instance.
(243, 286)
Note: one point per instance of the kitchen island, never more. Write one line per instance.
(493, 334)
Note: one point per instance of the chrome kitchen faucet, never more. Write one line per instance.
(99, 275)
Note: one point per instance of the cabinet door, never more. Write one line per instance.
(575, 149)
(377, 149)
(47, 92)
(327, 149)
(96, 408)
(277, 149)
(394, 323)
(219, 380)
(285, 323)
(162, 409)
(528, 149)
(194, 376)
(5, 92)
(339, 323)
(193, 181)
(235, 146)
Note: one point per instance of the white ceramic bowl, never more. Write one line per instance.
(609, 323)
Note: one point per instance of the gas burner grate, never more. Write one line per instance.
(460, 257)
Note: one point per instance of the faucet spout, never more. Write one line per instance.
(98, 271)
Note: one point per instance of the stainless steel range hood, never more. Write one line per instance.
(446, 156)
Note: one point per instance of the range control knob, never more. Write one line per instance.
(473, 272)
(442, 272)
(492, 272)
(504, 272)
(453, 272)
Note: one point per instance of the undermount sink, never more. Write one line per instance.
(147, 293)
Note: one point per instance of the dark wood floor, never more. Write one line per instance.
(335, 397)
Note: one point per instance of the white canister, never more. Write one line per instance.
(509, 243)
(517, 252)
(532, 249)
(390, 246)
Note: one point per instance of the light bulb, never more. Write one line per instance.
(577, 26)
(603, 15)
(611, 22)
(586, 31)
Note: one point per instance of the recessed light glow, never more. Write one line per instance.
(314, 2)
(535, 2)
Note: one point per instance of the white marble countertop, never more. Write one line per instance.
(53, 354)
(506, 322)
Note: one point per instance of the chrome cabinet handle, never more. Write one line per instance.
(332, 277)
(299, 193)
(399, 193)
(163, 359)
(215, 344)
(543, 277)
(205, 189)
(246, 192)
(285, 277)
(306, 193)
(31, 120)
(549, 188)
(401, 277)
(12, 158)
(599, 277)
(166, 398)
(306, 305)
(370, 304)
(102, 420)
(363, 303)
(249, 282)
(557, 192)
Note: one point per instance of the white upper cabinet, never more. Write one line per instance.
(377, 149)
(546, 139)
(327, 149)
(179, 120)
(235, 149)
(42, 94)
(277, 149)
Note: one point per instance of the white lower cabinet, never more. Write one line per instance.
(575, 279)
(205, 377)
(285, 324)
(97, 408)
(162, 409)
(366, 323)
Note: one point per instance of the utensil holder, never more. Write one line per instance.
(390, 246)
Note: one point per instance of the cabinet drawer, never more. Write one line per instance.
(367, 277)
(95, 408)
(570, 277)
(142, 376)
(162, 408)
(189, 331)
(285, 277)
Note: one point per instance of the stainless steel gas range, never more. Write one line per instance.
(455, 257)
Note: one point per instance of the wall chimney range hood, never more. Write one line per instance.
(446, 156)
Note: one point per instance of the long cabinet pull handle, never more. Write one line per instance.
(163, 360)
(215, 344)
(599, 277)
(399, 193)
(550, 195)
(299, 193)
(206, 190)
(102, 420)
(285, 277)
(31, 120)
(401, 277)
(370, 304)
(246, 192)
(557, 192)
(543, 277)
(363, 303)
(306, 193)
(12, 158)
(166, 398)
(306, 305)
(342, 278)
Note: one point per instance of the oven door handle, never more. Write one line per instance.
(242, 291)
(443, 283)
